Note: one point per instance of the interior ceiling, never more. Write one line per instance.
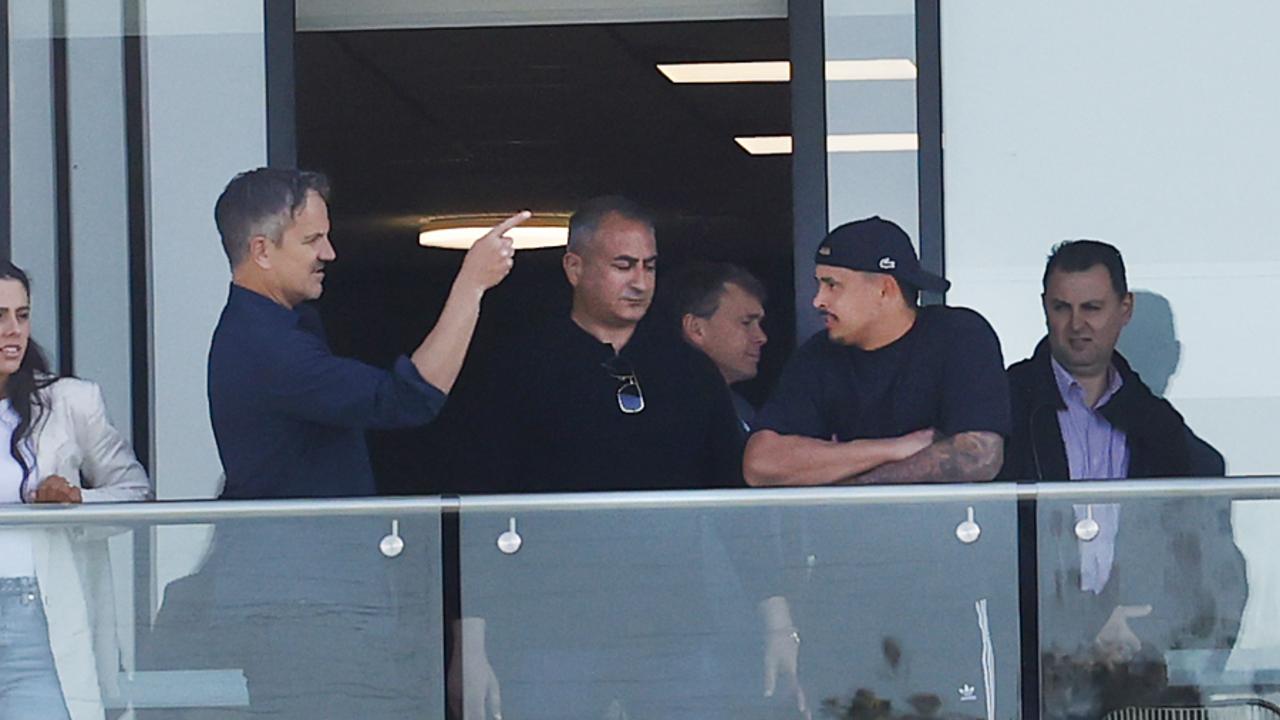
(412, 123)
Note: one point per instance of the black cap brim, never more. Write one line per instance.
(924, 280)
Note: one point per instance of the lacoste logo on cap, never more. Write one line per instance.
(887, 263)
(824, 250)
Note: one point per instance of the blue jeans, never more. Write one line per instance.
(29, 688)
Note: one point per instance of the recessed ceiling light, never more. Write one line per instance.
(728, 72)
(849, 143)
(460, 232)
(766, 144)
(774, 71)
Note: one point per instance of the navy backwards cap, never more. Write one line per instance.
(878, 246)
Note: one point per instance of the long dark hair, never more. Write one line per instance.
(23, 386)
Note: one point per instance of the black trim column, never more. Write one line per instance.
(6, 199)
(808, 149)
(62, 173)
(929, 131)
(135, 113)
(279, 28)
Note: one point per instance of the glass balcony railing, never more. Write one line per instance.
(180, 610)
(1079, 600)
(1155, 595)
(855, 601)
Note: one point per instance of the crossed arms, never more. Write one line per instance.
(920, 457)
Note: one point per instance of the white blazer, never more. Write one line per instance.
(73, 438)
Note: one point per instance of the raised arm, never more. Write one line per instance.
(439, 357)
(775, 460)
(964, 457)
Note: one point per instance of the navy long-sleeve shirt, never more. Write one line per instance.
(288, 415)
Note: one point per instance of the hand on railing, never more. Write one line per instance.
(56, 489)
(475, 694)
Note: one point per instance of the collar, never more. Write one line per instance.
(1068, 386)
(265, 311)
(645, 334)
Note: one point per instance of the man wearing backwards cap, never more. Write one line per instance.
(889, 393)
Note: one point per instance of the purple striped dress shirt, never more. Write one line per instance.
(1095, 451)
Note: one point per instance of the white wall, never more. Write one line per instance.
(32, 165)
(206, 121)
(1147, 124)
(99, 202)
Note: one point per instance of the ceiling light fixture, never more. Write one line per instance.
(850, 143)
(775, 71)
(460, 232)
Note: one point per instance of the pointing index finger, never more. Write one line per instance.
(511, 222)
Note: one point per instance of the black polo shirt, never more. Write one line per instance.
(945, 373)
(543, 416)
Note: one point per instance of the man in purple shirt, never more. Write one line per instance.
(1119, 585)
(1079, 411)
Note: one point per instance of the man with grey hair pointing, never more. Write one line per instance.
(289, 416)
(321, 622)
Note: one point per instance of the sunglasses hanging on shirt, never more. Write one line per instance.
(630, 397)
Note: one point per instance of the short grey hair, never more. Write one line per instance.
(587, 219)
(262, 202)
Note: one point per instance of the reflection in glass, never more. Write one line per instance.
(1162, 581)
(637, 613)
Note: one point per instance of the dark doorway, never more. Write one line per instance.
(413, 123)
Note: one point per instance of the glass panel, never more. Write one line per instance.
(871, 111)
(631, 611)
(1156, 601)
(288, 616)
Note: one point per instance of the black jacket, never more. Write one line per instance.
(1159, 441)
(1175, 554)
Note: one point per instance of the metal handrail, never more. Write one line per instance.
(203, 511)
(213, 511)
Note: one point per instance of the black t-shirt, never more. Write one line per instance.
(543, 416)
(945, 373)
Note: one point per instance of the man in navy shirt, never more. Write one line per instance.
(321, 622)
(889, 393)
(288, 415)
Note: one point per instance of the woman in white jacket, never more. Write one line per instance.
(57, 616)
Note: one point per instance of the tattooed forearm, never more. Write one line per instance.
(966, 457)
